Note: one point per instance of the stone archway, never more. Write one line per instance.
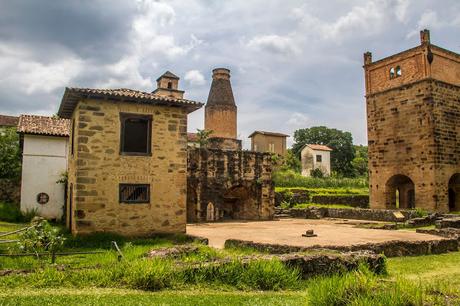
(239, 203)
(454, 192)
(400, 192)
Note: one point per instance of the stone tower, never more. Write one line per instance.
(221, 111)
(168, 86)
(413, 121)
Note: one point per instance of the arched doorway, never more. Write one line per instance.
(454, 192)
(400, 192)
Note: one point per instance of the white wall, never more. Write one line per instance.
(308, 159)
(44, 160)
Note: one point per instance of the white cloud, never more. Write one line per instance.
(298, 120)
(275, 44)
(195, 77)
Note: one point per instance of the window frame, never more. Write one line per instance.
(320, 158)
(120, 201)
(126, 116)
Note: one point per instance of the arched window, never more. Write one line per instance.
(392, 73)
(398, 71)
(169, 85)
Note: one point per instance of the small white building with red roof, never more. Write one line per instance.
(44, 144)
(316, 156)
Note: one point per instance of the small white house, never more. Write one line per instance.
(44, 142)
(316, 156)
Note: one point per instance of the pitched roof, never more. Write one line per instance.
(8, 120)
(318, 147)
(192, 137)
(73, 95)
(268, 134)
(168, 74)
(42, 125)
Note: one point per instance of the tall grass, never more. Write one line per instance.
(293, 179)
(362, 287)
(10, 212)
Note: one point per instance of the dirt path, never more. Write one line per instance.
(289, 231)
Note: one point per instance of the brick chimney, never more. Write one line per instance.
(221, 110)
(425, 37)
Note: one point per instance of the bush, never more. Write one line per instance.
(292, 179)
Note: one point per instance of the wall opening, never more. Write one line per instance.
(400, 192)
(454, 192)
(210, 214)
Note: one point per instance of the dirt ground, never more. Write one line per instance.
(289, 232)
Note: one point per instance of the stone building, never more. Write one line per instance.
(413, 120)
(262, 141)
(315, 156)
(127, 168)
(223, 181)
(44, 146)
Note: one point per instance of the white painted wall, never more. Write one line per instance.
(308, 159)
(44, 160)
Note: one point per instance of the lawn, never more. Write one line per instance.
(101, 280)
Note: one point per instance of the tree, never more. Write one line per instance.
(203, 137)
(10, 155)
(360, 161)
(339, 141)
(287, 162)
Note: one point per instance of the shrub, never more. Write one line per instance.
(11, 213)
(42, 237)
(292, 179)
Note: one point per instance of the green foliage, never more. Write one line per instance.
(203, 137)
(40, 237)
(419, 212)
(10, 155)
(317, 173)
(63, 178)
(288, 162)
(362, 287)
(11, 213)
(292, 179)
(341, 143)
(360, 162)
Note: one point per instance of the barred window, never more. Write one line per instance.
(134, 193)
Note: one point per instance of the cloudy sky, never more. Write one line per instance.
(294, 64)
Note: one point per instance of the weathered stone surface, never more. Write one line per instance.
(443, 232)
(450, 222)
(394, 248)
(172, 252)
(98, 170)
(413, 120)
(229, 185)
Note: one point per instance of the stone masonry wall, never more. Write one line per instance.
(229, 185)
(97, 168)
(413, 131)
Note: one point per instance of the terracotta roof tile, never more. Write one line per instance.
(319, 147)
(268, 133)
(42, 125)
(8, 120)
(73, 95)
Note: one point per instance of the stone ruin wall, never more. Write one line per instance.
(229, 185)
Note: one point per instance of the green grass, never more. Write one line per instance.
(293, 179)
(306, 205)
(102, 280)
(327, 191)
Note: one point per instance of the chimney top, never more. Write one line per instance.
(367, 58)
(425, 36)
(221, 73)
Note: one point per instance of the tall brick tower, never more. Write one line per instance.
(413, 121)
(221, 112)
